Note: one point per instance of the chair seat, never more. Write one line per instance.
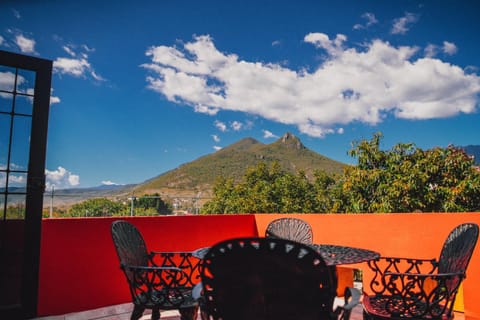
(180, 297)
(389, 307)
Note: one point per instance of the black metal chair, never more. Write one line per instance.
(291, 229)
(419, 288)
(268, 278)
(157, 280)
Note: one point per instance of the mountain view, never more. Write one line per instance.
(198, 177)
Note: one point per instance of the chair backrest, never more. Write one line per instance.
(266, 278)
(130, 246)
(458, 248)
(291, 229)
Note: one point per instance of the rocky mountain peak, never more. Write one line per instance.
(291, 141)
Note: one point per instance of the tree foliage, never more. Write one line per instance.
(403, 179)
(407, 178)
(146, 205)
(264, 189)
(98, 207)
(151, 204)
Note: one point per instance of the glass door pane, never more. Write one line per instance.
(23, 125)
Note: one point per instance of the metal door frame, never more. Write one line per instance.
(35, 177)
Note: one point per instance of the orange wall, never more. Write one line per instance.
(404, 235)
(79, 268)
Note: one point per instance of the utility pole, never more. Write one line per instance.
(132, 208)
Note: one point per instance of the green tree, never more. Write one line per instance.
(151, 204)
(403, 179)
(263, 189)
(407, 178)
(98, 207)
(326, 192)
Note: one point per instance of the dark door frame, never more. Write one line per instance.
(35, 177)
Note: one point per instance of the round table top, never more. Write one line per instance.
(332, 254)
(335, 254)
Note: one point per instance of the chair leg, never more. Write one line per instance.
(188, 313)
(137, 312)
(203, 314)
(155, 314)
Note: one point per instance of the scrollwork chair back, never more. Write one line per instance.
(409, 288)
(168, 286)
(266, 278)
(291, 229)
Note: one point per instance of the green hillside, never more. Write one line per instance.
(232, 161)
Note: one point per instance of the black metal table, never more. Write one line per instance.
(337, 255)
(332, 254)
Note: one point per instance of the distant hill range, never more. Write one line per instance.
(73, 195)
(198, 177)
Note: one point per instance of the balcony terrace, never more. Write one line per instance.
(80, 276)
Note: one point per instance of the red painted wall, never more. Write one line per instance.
(79, 269)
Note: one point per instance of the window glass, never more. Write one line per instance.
(6, 102)
(24, 105)
(4, 139)
(26, 81)
(16, 206)
(7, 78)
(20, 143)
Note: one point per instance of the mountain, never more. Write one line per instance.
(69, 196)
(199, 176)
(473, 150)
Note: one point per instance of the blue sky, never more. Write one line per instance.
(141, 87)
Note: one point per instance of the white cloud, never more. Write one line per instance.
(1, 40)
(25, 44)
(220, 125)
(349, 84)
(109, 183)
(96, 76)
(7, 81)
(61, 178)
(216, 148)
(321, 40)
(77, 64)
(431, 50)
(370, 20)
(14, 180)
(402, 25)
(449, 48)
(54, 100)
(87, 48)
(268, 134)
(71, 66)
(216, 138)
(236, 125)
(69, 50)
(206, 109)
(276, 43)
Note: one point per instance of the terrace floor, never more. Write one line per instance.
(123, 312)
